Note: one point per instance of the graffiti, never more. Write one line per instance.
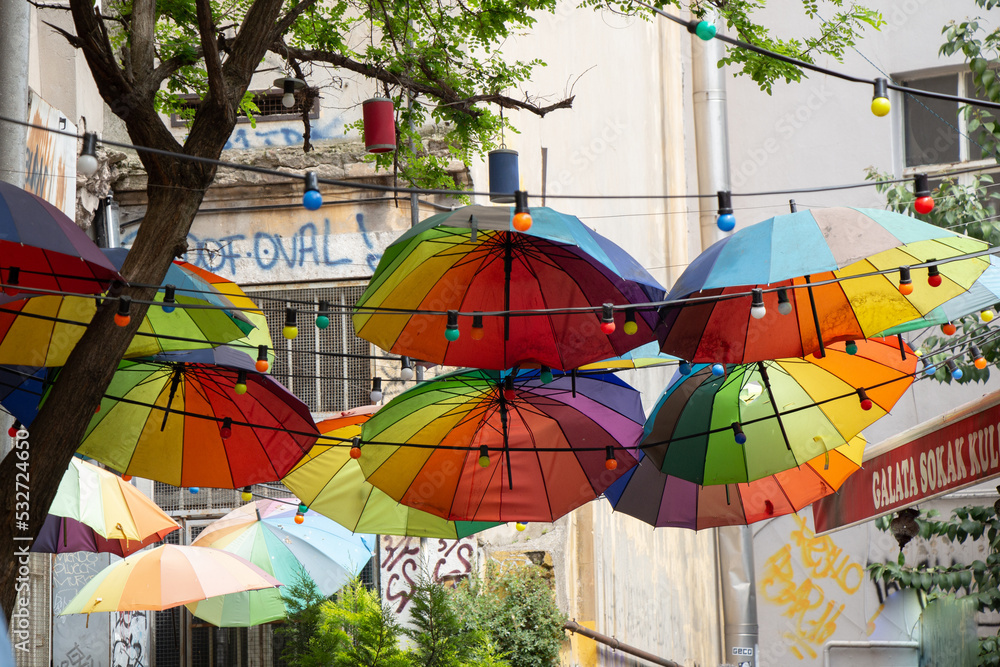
(455, 557)
(76, 657)
(128, 635)
(50, 158)
(76, 637)
(290, 134)
(825, 560)
(398, 565)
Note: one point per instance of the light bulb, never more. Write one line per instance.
(299, 518)
(311, 197)
(851, 348)
(477, 327)
(757, 309)
(376, 394)
(86, 164)
(406, 374)
(451, 331)
(987, 316)
(291, 329)
(684, 368)
(484, 457)
(866, 403)
(718, 370)
(262, 364)
(905, 282)
(607, 319)
(122, 317)
(784, 305)
(226, 430)
(522, 218)
(948, 329)
(126, 478)
(322, 319)
(738, 435)
(956, 372)
(923, 205)
(194, 489)
(246, 495)
(630, 327)
(520, 526)
(610, 462)
(705, 30)
(288, 100)
(726, 220)
(169, 298)
(880, 98)
(546, 375)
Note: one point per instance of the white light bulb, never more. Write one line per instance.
(288, 100)
(784, 307)
(87, 165)
(376, 396)
(757, 312)
(406, 374)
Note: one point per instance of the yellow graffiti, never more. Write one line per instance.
(813, 617)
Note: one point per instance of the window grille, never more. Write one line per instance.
(166, 625)
(305, 364)
(269, 103)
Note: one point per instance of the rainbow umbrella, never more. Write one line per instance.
(471, 260)
(41, 248)
(265, 533)
(485, 445)
(824, 262)
(644, 356)
(179, 419)
(43, 330)
(167, 576)
(759, 419)
(96, 510)
(332, 483)
(650, 495)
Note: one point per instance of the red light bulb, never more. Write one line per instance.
(262, 365)
(866, 404)
(948, 329)
(126, 478)
(923, 205)
(355, 452)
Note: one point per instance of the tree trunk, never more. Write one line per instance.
(78, 388)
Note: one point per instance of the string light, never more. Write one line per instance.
(194, 489)
(520, 526)
(126, 478)
(610, 462)
(684, 368)
(376, 394)
(905, 282)
(866, 403)
(122, 317)
(356, 448)
(880, 98)
(311, 197)
(718, 370)
(477, 327)
(987, 315)
(726, 220)
(630, 327)
(226, 431)
(451, 331)
(169, 298)
(303, 508)
(703, 29)
(978, 360)
(86, 164)
(522, 217)
(246, 495)
(12, 431)
(546, 375)
(262, 364)
(484, 457)
(948, 329)
(406, 372)
(956, 372)
(933, 275)
(299, 518)
(509, 393)
(291, 329)
(851, 348)
(322, 319)
(738, 435)
(241, 382)
(924, 203)
(608, 319)
(757, 309)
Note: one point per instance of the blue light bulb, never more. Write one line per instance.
(718, 370)
(726, 222)
(312, 199)
(684, 368)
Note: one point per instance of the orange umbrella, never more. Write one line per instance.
(166, 577)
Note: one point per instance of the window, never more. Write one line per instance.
(935, 132)
(269, 103)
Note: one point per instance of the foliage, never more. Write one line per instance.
(516, 607)
(439, 637)
(367, 633)
(307, 644)
(978, 580)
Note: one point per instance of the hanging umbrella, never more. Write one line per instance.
(42, 248)
(265, 533)
(167, 576)
(793, 255)
(96, 510)
(21, 389)
(472, 260)
(786, 411)
(547, 447)
(649, 494)
(644, 356)
(166, 419)
(43, 330)
(332, 483)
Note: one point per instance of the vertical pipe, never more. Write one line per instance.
(14, 28)
(739, 592)
(711, 130)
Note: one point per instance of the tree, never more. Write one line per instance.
(307, 643)
(439, 637)
(444, 57)
(978, 580)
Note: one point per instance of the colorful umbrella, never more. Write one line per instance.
(179, 419)
(265, 533)
(21, 389)
(332, 483)
(42, 248)
(167, 576)
(645, 356)
(43, 330)
(791, 256)
(472, 260)
(489, 446)
(96, 510)
(760, 419)
(651, 495)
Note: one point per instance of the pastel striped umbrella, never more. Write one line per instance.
(760, 419)
(482, 445)
(330, 481)
(822, 265)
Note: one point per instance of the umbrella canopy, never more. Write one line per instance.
(43, 330)
(789, 411)
(471, 259)
(265, 533)
(166, 419)
(644, 356)
(42, 248)
(546, 444)
(21, 389)
(650, 495)
(793, 255)
(332, 483)
(96, 510)
(167, 576)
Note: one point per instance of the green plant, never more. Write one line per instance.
(367, 632)
(440, 637)
(307, 644)
(978, 580)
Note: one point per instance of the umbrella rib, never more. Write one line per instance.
(538, 461)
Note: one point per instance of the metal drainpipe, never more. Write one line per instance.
(14, 29)
(711, 130)
(734, 546)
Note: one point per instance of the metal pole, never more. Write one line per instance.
(711, 130)
(14, 29)
(739, 594)
(573, 626)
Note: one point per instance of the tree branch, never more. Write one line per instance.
(210, 49)
(438, 90)
(286, 21)
(143, 43)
